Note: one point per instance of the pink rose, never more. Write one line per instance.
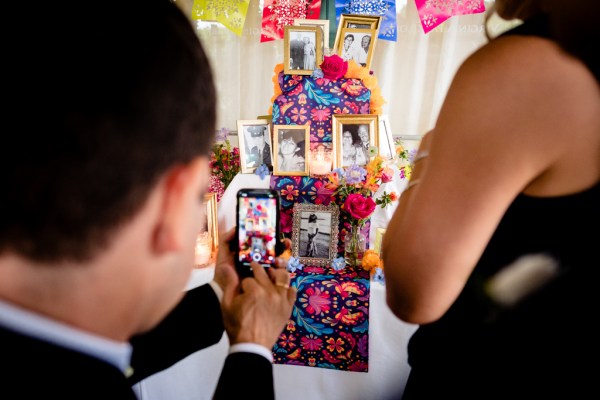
(387, 175)
(334, 67)
(358, 206)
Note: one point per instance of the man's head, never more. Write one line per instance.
(256, 135)
(363, 133)
(113, 115)
(121, 96)
(365, 41)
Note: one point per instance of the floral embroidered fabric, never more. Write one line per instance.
(330, 322)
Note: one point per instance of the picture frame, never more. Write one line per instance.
(386, 145)
(356, 21)
(319, 248)
(409, 142)
(207, 239)
(301, 55)
(379, 232)
(357, 45)
(351, 146)
(323, 24)
(290, 149)
(255, 144)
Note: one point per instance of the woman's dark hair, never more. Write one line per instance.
(100, 111)
(312, 218)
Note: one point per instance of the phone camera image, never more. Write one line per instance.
(257, 229)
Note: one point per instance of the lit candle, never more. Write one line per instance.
(202, 252)
(320, 164)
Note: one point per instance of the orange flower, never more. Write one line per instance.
(287, 253)
(393, 196)
(371, 260)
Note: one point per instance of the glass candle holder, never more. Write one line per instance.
(320, 159)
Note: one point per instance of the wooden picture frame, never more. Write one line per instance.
(351, 45)
(295, 41)
(386, 145)
(319, 248)
(290, 149)
(379, 232)
(350, 146)
(207, 240)
(252, 134)
(324, 25)
(356, 21)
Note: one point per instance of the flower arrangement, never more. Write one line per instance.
(355, 188)
(224, 163)
(403, 159)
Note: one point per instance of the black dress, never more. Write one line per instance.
(546, 345)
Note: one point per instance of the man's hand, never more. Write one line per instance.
(256, 309)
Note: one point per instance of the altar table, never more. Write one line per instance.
(195, 377)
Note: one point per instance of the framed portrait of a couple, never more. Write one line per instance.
(356, 37)
(291, 145)
(315, 233)
(353, 135)
(321, 23)
(254, 139)
(303, 49)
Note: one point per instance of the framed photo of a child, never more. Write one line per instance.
(291, 143)
(315, 233)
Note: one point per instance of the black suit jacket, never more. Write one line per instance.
(33, 368)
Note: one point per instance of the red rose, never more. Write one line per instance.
(358, 206)
(334, 67)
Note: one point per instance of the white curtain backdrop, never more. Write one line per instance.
(414, 72)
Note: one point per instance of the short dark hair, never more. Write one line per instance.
(108, 102)
(312, 218)
(349, 36)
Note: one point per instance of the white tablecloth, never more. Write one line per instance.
(196, 376)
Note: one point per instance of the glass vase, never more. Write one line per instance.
(354, 246)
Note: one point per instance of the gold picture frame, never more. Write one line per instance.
(356, 21)
(350, 147)
(323, 24)
(207, 240)
(379, 232)
(351, 45)
(290, 160)
(255, 144)
(319, 248)
(387, 148)
(298, 59)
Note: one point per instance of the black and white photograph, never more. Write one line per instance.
(291, 143)
(315, 233)
(357, 45)
(303, 49)
(355, 22)
(353, 135)
(323, 24)
(254, 137)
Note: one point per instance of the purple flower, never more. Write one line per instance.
(339, 263)
(378, 276)
(294, 264)
(222, 134)
(262, 171)
(318, 73)
(355, 174)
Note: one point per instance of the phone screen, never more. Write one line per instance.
(257, 228)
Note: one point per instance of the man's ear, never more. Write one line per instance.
(181, 209)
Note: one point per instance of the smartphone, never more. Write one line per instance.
(257, 229)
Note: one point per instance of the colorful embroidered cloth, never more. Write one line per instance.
(311, 190)
(308, 100)
(330, 321)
